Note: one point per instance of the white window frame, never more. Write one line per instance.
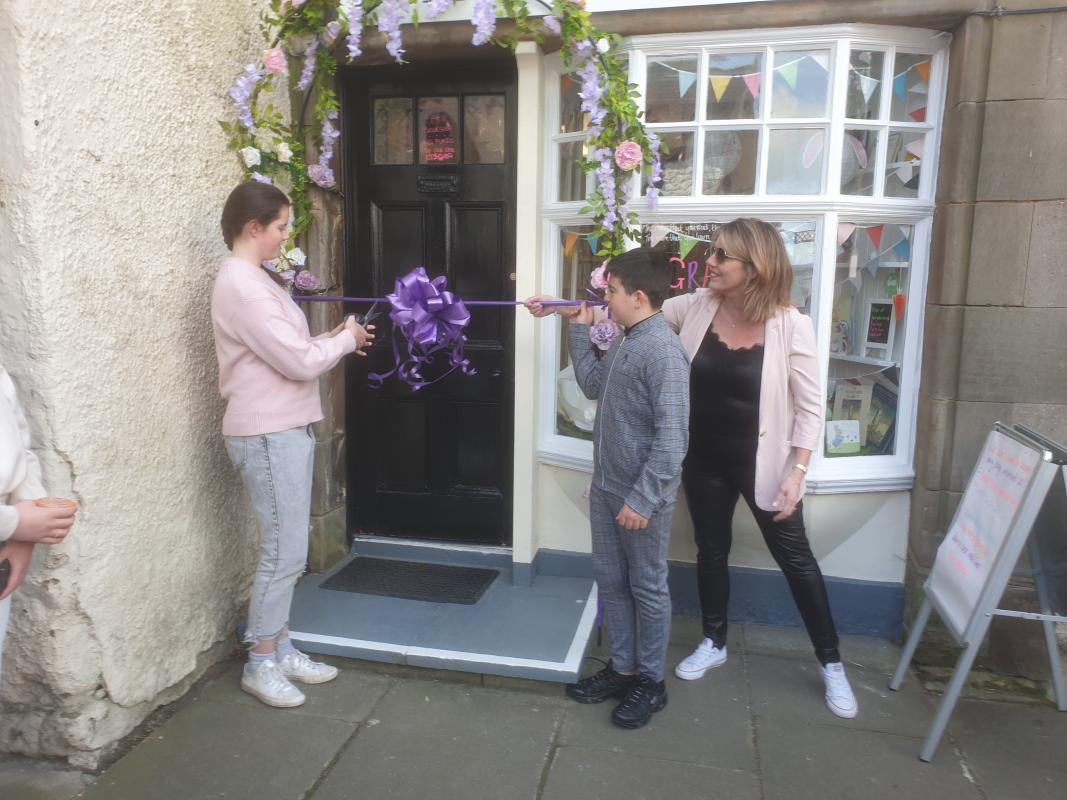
(851, 474)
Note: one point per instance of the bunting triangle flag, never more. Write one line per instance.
(789, 73)
(822, 59)
(905, 173)
(657, 234)
(872, 266)
(874, 233)
(856, 281)
(719, 83)
(844, 232)
(923, 69)
(593, 239)
(685, 245)
(915, 148)
(867, 86)
(753, 83)
(685, 82)
(900, 85)
(919, 115)
(903, 249)
(569, 241)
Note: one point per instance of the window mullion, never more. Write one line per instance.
(836, 138)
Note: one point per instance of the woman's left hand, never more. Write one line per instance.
(19, 555)
(788, 495)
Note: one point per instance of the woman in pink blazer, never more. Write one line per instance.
(756, 415)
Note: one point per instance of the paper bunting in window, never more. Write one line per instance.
(656, 234)
(867, 86)
(900, 85)
(753, 82)
(428, 322)
(903, 249)
(822, 59)
(719, 85)
(788, 72)
(686, 80)
(874, 233)
(844, 232)
(569, 240)
(914, 150)
(919, 114)
(593, 240)
(923, 68)
(685, 245)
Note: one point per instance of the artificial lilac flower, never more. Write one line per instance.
(330, 135)
(604, 333)
(321, 175)
(259, 178)
(306, 281)
(352, 11)
(288, 275)
(551, 22)
(655, 181)
(241, 94)
(435, 8)
(332, 31)
(391, 13)
(484, 20)
(308, 72)
(591, 92)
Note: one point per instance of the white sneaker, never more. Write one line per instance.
(298, 667)
(706, 656)
(268, 684)
(839, 697)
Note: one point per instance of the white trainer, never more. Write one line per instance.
(706, 656)
(839, 697)
(268, 684)
(296, 666)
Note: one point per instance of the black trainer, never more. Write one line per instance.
(641, 702)
(599, 687)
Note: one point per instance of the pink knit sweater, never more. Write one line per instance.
(268, 361)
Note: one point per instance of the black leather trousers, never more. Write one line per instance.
(712, 493)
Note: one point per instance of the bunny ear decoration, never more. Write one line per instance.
(858, 149)
(812, 149)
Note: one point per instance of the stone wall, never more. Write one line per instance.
(112, 178)
(996, 315)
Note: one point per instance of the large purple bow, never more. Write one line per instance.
(427, 319)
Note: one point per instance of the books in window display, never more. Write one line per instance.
(852, 401)
(882, 419)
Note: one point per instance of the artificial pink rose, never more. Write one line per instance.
(275, 60)
(628, 155)
(598, 278)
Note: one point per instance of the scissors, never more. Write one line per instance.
(372, 313)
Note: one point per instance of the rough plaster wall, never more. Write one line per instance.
(112, 178)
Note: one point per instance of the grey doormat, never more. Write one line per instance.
(412, 580)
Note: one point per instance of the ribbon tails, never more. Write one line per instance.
(427, 320)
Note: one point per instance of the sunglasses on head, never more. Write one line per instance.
(721, 255)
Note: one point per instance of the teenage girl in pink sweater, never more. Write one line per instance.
(269, 365)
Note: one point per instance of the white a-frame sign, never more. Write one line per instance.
(1016, 498)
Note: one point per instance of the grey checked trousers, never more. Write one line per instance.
(630, 568)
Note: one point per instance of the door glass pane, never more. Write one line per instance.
(671, 92)
(734, 85)
(574, 411)
(801, 79)
(903, 162)
(392, 130)
(677, 165)
(857, 161)
(864, 84)
(911, 86)
(483, 129)
(795, 161)
(573, 179)
(438, 130)
(730, 161)
(571, 116)
(868, 321)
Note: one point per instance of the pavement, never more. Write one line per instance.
(756, 727)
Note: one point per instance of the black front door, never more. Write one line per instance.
(430, 182)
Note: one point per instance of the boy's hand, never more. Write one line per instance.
(629, 519)
(579, 315)
(38, 525)
(18, 555)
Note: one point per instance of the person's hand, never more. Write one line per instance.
(18, 555)
(337, 330)
(363, 336)
(788, 495)
(629, 519)
(579, 315)
(535, 307)
(38, 525)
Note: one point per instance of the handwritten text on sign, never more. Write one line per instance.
(983, 521)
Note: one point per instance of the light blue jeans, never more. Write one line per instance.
(276, 469)
(5, 611)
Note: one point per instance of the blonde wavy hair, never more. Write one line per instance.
(770, 275)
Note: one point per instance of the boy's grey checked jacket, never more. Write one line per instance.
(642, 421)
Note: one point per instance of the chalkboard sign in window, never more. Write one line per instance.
(880, 326)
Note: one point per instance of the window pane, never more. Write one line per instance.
(903, 161)
(438, 129)
(801, 78)
(483, 129)
(867, 338)
(677, 165)
(392, 131)
(857, 161)
(795, 161)
(671, 91)
(730, 161)
(572, 177)
(734, 85)
(571, 116)
(864, 84)
(574, 412)
(911, 86)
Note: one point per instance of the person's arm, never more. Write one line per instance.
(269, 332)
(588, 369)
(668, 383)
(807, 414)
(674, 310)
(31, 486)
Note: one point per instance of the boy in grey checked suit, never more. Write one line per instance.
(640, 437)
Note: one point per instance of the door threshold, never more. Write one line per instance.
(432, 550)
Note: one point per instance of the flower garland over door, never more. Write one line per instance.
(308, 34)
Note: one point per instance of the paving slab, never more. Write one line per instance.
(862, 651)
(590, 774)
(1015, 751)
(706, 722)
(447, 740)
(33, 779)
(226, 750)
(349, 697)
(801, 762)
(792, 690)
